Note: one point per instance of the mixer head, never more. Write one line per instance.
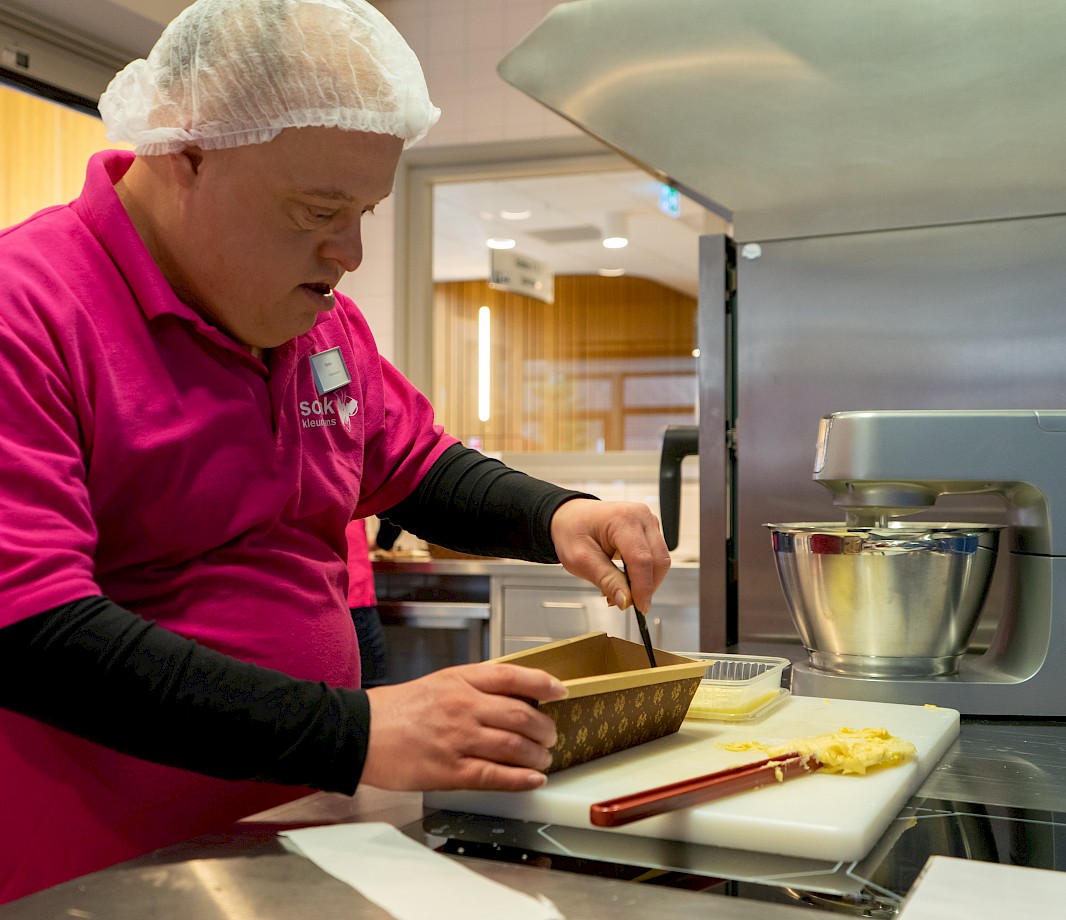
(873, 504)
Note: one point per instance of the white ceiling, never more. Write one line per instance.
(567, 212)
(565, 226)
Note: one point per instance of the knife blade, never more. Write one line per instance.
(642, 624)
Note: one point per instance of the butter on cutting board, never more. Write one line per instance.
(847, 750)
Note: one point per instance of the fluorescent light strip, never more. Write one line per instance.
(484, 342)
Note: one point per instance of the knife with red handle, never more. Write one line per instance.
(700, 789)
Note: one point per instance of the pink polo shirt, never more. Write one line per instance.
(361, 592)
(147, 457)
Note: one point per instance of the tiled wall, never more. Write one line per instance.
(630, 476)
(647, 491)
(459, 43)
(621, 476)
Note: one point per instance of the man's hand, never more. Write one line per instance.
(467, 727)
(589, 534)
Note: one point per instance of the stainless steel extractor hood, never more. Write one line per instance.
(803, 117)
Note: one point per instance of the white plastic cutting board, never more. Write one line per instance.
(821, 816)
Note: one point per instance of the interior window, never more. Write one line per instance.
(572, 345)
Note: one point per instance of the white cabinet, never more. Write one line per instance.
(533, 609)
(673, 627)
(536, 615)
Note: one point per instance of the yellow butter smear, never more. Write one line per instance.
(849, 750)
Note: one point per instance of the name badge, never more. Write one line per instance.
(329, 371)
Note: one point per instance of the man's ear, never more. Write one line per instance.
(185, 165)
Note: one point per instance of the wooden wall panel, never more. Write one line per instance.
(28, 128)
(43, 151)
(546, 358)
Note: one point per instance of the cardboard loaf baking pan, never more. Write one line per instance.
(616, 700)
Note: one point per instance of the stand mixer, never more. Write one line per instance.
(880, 465)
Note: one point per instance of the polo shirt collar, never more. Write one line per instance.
(101, 208)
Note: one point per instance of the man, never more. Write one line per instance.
(192, 417)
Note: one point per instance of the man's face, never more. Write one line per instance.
(267, 230)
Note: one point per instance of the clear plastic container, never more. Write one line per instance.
(737, 688)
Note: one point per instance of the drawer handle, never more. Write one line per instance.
(563, 605)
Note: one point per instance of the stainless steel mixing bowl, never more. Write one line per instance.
(900, 600)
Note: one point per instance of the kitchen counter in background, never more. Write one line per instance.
(483, 608)
(999, 795)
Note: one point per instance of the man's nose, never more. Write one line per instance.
(345, 246)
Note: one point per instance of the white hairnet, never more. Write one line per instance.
(226, 73)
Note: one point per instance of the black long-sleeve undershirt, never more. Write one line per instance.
(97, 670)
(476, 504)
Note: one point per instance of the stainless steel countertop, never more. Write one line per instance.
(1020, 765)
(246, 874)
(500, 568)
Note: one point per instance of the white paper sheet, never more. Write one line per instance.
(411, 881)
(964, 889)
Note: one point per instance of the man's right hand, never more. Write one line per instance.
(465, 727)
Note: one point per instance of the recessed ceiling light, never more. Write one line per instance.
(612, 272)
(516, 215)
(500, 242)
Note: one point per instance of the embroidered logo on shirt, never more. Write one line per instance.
(346, 408)
(324, 413)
